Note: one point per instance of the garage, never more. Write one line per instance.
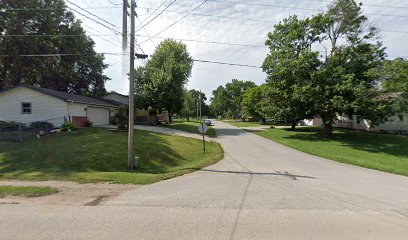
(99, 116)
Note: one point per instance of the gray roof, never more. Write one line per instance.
(69, 96)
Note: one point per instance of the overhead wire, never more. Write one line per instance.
(76, 5)
(151, 20)
(174, 23)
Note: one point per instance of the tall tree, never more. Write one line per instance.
(337, 83)
(256, 103)
(289, 67)
(161, 82)
(42, 33)
(342, 81)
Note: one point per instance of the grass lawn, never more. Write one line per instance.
(26, 191)
(385, 152)
(190, 126)
(244, 124)
(99, 155)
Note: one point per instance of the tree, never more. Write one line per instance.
(342, 81)
(227, 101)
(160, 84)
(190, 106)
(255, 103)
(79, 72)
(394, 75)
(304, 84)
(289, 67)
(219, 102)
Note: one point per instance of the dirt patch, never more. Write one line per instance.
(69, 193)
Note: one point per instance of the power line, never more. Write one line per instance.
(226, 63)
(218, 16)
(174, 23)
(62, 54)
(91, 13)
(148, 35)
(104, 25)
(298, 8)
(151, 20)
(115, 4)
(211, 42)
(154, 11)
(225, 2)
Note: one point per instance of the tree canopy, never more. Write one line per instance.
(307, 83)
(227, 101)
(43, 33)
(160, 84)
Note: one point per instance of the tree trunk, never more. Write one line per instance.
(170, 117)
(328, 129)
(263, 121)
(294, 122)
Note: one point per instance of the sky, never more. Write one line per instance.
(390, 16)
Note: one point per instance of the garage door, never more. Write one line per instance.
(99, 116)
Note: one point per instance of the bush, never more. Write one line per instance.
(122, 118)
(68, 126)
(88, 123)
(11, 124)
(41, 125)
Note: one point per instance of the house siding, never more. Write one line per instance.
(43, 107)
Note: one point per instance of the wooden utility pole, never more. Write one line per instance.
(124, 24)
(202, 123)
(131, 157)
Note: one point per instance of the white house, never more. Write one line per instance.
(393, 124)
(26, 104)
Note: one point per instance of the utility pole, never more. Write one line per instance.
(202, 122)
(124, 24)
(131, 157)
(197, 108)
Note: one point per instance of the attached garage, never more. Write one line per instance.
(27, 104)
(99, 116)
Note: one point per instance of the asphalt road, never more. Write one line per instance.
(261, 190)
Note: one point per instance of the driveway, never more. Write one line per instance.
(261, 190)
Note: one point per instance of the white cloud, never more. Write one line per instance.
(207, 76)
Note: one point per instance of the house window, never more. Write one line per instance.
(26, 108)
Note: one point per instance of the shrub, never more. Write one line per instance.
(11, 124)
(41, 125)
(122, 118)
(88, 123)
(68, 126)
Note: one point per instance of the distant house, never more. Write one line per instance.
(26, 104)
(142, 116)
(393, 124)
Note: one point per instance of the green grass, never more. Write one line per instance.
(190, 126)
(244, 124)
(26, 191)
(96, 154)
(384, 152)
